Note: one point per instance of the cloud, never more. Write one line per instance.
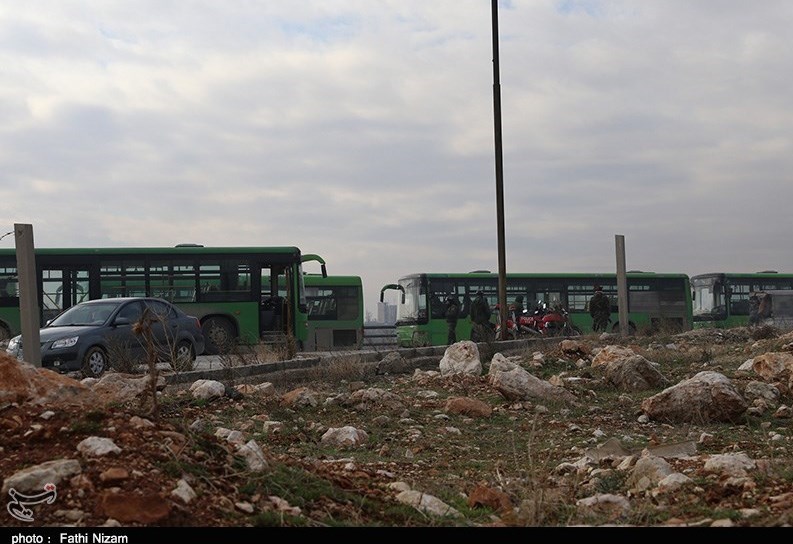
(364, 131)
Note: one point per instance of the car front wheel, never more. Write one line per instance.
(94, 362)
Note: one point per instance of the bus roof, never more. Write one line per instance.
(318, 279)
(633, 274)
(176, 250)
(763, 274)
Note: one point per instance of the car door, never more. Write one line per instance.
(164, 326)
(122, 336)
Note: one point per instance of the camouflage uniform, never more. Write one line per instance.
(600, 310)
(481, 331)
(452, 312)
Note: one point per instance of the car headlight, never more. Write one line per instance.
(65, 342)
(13, 344)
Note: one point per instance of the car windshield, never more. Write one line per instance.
(84, 314)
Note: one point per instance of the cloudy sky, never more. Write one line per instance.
(363, 131)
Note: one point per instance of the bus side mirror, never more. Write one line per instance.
(392, 286)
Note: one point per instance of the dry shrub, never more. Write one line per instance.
(120, 357)
(345, 368)
(764, 332)
(263, 352)
(342, 369)
(142, 329)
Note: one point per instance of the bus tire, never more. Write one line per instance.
(218, 335)
(94, 362)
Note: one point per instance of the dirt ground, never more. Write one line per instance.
(509, 465)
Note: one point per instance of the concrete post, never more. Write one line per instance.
(28, 294)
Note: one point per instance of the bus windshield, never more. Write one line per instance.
(724, 299)
(708, 296)
(415, 305)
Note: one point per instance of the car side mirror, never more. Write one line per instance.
(122, 321)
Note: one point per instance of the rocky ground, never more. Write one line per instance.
(412, 443)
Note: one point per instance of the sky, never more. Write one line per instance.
(364, 131)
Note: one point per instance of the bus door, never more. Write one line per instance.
(62, 287)
(272, 311)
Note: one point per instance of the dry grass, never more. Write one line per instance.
(252, 354)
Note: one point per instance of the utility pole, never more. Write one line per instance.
(502, 258)
(622, 286)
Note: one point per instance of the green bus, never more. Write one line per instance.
(240, 294)
(335, 312)
(335, 309)
(721, 299)
(656, 301)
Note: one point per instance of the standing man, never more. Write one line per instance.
(518, 307)
(480, 319)
(754, 309)
(600, 310)
(452, 313)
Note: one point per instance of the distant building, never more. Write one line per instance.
(386, 313)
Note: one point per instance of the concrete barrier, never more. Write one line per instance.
(213, 367)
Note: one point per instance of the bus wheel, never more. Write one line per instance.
(94, 362)
(219, 334)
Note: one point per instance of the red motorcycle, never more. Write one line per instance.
(543, 321)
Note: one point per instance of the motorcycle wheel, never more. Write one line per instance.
(554, 330)
(573, 330)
